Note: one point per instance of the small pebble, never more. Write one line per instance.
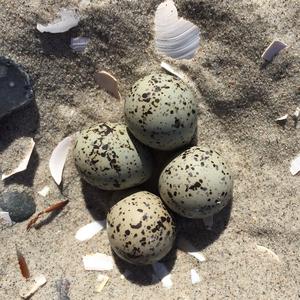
(20, 206)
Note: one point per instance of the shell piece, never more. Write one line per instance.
(274, 48)
(140, 229)
(197, 183)
(269, 252)
(171, 70)
(79, 43)
(101, 282)
(195, 278)
(161, 112)
(108, 157)
(58, 158)
(108, 82)
(31, 287)
(98, 262)
(69, 18)
(295, 165)
(175, 37)
(44, 191)
(187, 247)
(5, 218)
(163, 274)
(22, 166)
(88, 231)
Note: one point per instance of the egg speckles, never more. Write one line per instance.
(140, 229)
(160, 111)
(197, 183)
(108, 157)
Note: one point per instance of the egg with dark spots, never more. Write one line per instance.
(161, 112)
(197, 183)
(140, 229)
(109, 157)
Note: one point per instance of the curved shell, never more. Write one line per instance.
(140, 229)
(108, 157)
(161, 112)
(197, 183)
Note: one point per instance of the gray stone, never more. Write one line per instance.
(20, 206)
(15, 87)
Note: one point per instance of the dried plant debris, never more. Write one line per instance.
(51, 208)
(195, 278)
(44, 191)
(5, 218)
(268, 251)
(187, 247)
(163, 274)
(69, 18)
(88, 231)
(98, 262)
(295, 116)
(274, 48)
(172, 70)
(108, 83)
(59, 157)
(63, 287)
(22, 264)
(79, 43)
(101, 282)
(22, 147)
(30, 287)
(295, 165)
(175, 37)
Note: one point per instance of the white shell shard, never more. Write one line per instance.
(79, 44)
(283, 118)
(268, 251)
(295, 165)
(22, 166)
(163, 274)
(274, 48)
(5, 218)
(195, 278)
(88, 231)
(69, 18)
(296, 115)
(58, 158)
(175, 37)
(101, 282)
(44, 191)
(31, 287)
(98, 262)
(208, 222)
(108, 83)
(187, 247)
(171, 70)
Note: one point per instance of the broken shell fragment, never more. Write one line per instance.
(108, 83)
(195, 278)
(274, 48)
(69, 18)
(88, 231)
(295, 165)
(31, 287)
(98, 262)
(163, 274)
(175, 37)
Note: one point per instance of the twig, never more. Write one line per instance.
(51, 208)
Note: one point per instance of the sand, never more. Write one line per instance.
(239, 99)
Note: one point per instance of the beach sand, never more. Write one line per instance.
(239, 99)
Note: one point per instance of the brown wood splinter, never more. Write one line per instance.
(51, 208)
(23, 265)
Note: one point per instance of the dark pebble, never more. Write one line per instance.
(15, 87)
(20, 206)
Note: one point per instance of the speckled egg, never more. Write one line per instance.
(140, 229)
(109, 157)
(161, 112)
(197, 183)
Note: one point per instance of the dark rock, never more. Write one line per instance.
(15, 87)
(20, 206)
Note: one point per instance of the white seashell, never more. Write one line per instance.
(274, 48)
(88, 231)
(163, 274)
(98, 262)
